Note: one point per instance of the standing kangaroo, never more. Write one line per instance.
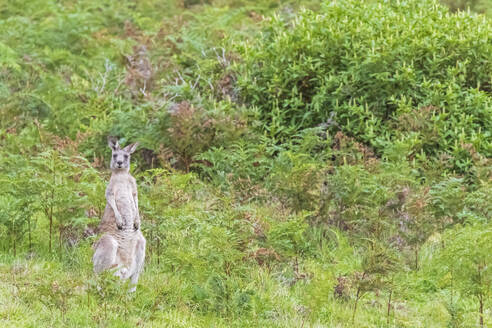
(122, 245)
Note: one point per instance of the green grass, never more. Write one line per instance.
(205, 273)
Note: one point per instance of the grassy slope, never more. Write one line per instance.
(56, 58)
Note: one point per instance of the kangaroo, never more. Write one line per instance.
(122, 245)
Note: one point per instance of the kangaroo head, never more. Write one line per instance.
(120, 159)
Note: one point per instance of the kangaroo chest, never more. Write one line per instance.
(123, 195)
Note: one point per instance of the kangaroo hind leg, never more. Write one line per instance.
(139, 262)
(105, 254)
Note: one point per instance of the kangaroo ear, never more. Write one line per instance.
(113, 143)
(131, 148)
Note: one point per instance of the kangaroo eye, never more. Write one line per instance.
(114, 156)
(126, 156)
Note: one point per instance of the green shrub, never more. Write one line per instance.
(296, 170)
(242, 165)
(289, 236)
(377, 71)
(463, 263)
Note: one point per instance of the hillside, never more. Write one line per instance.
(301, 163)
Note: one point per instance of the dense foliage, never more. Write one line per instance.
(323, 165)
(402, 73)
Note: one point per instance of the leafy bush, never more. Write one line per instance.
(289, 236)
(464, 263)
(192, 131)
(379, 71)
(240, 167)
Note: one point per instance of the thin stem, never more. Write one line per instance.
(389, 307)
(60, 242)
(29, 227)
(158, 251)
(480, 297)
(355, 305)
